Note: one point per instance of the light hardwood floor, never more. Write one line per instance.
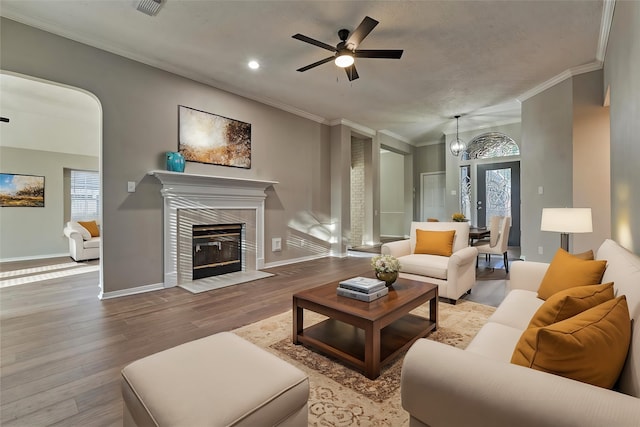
(62, 349)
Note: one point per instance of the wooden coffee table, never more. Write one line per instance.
(366, 335)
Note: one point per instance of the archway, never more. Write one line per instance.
(51, 129)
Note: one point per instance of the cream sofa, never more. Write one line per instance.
(445, 386)
(454, 275)
(81, 245)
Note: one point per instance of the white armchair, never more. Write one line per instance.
(81, 245)
(454, 275)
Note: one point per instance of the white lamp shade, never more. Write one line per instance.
(567, 220)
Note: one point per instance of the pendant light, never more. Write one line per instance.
(457, 146)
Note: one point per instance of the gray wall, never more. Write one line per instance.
(392, 206)
(37, 232)
(622, 77)
(139, 105)
(407, 151)
(546, 161)
(565, 150)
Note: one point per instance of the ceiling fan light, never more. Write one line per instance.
(344, 60)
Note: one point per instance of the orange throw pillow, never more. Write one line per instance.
(566, 271)
(91, 227)
(590, 347)
(434, 242)
(588, 255)
(565, 304)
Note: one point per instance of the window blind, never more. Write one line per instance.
(85, 195)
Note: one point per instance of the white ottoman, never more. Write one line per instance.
(220, 380)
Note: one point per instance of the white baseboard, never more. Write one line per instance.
(131, 291)
(294, 260)
(28, 258)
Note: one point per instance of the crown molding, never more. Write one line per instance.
(581, 69)
(353, 125)
(395, 136)
(605, 28)
(427, 143)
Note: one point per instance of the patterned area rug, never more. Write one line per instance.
(341, 396)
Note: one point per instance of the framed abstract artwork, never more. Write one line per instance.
(212, 139)
(21, 190)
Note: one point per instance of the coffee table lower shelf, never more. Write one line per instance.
(347, 342)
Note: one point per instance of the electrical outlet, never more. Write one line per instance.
(131, 186)
(540, 250)
(276, 244)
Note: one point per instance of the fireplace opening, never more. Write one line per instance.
(217, 249)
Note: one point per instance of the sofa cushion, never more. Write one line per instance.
(590, 347)
(516, 309)
(91, 227)
(495, 341)
(434, 242)
(93, 242)
(567, 271)
(565, 304)
(425, 265)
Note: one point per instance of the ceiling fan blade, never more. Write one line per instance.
(315, 64)
(352, 73)
(361, 32)
(314, 42)
(379, 53)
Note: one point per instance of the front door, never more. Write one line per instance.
(499, 194)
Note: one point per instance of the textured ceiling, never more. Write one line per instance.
(474, 58)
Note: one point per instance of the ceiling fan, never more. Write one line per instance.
(346, 51)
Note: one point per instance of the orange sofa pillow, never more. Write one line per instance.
(565, 304)
(434, 242)
(92, 227)
(590, 347)
(566, 271)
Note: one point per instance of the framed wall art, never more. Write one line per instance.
(212, 139)
(21, 190)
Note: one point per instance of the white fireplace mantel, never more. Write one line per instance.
(191, 191)
(207, 184)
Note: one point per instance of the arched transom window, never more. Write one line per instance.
(490, 145)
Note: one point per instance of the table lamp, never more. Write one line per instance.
(565, 221)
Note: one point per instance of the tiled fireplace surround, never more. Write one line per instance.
(202, 199)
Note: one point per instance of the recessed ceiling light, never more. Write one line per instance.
(254, 65)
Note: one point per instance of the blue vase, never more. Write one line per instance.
(175, 161)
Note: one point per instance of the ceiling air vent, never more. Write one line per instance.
(149, 7)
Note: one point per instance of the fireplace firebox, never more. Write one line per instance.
(217, 249)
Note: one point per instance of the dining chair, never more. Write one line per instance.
(498, 240)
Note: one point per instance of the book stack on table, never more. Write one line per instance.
(362, 288)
